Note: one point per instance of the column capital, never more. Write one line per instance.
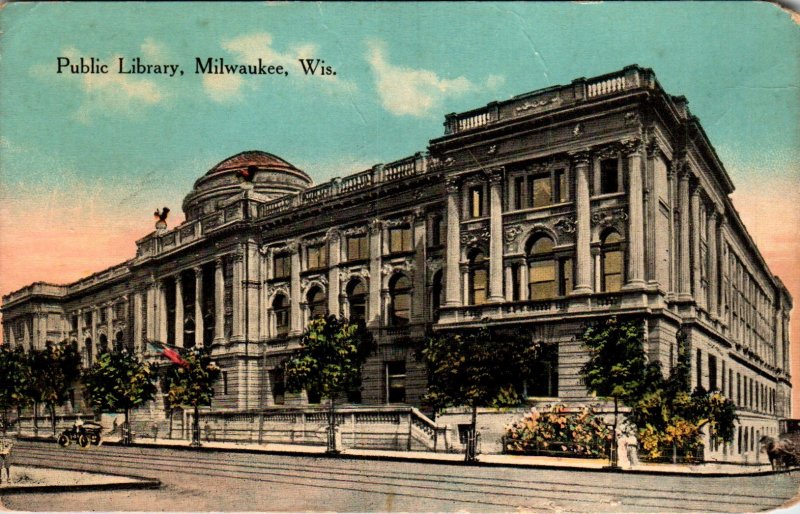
(333, 235)
(452, 185)
(630, 146)
(495, 174)
(218, 262)
(198, 270)
(375, 226)
(237, 256)
(580, 157)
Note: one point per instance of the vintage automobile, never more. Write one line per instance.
(84, 434)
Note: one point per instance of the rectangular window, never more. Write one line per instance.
(476, 202)
(74, 322)
(542, 280)
(281, 266)
(545, 373)
(541, 190)
(357, 247)
(396, 382)
(699, 368)
(436, 231)
(316, 257)
(560, 187)
(739, 389)
(519, 192)
(103, 316)
(224, 382)
(400, 239)
(712, 373)
(609, 176)
(565, 276)
(276, 378)
(479, 286)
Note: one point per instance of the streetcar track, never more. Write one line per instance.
(472, 481)
(171, 464)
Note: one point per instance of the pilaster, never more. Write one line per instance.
(452, 287)
(635, 274)
(496, 235)
(219, 302)
(374, 313)
(583, 262)
(178, 311)
(199, 328)
(685, 289)
(334, 255)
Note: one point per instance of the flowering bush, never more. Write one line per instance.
(555, 431)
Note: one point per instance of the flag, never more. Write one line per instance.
(169, 352)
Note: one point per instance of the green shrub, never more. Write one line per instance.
(557, 432)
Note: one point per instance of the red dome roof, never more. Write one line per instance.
(250, 158)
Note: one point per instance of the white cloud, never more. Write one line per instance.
(112, 92)
(249, 48)
(415, 92)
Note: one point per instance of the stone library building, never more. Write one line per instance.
(547, 211)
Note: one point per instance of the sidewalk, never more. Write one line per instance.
(29, 479)
(524, 461)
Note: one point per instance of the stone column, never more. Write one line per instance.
(598, 284)
(334, 254)
(496, 235)
(685, 289)
(95, 339)
(465, 289)
(419, 279)
(237, 303)
(524, 286)
(509, 285)
(110, 325)
(178, 311)
(375, 251)
(219, 302)
(673, 240)
(711, 235)
(635, 214)
(295, 313)
(199, 328)
(583, 257)
(137, 323)
(452, 286)
(720, 264)
(695, 244)
(81, 338)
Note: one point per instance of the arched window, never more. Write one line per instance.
(400, 298)
(357, 299)
(89, 351)
(119, 341)
(280, 306)
(478, 277)
(103, 347)
(611, 262)
(317, 303)
(541, 269)
(436, 295)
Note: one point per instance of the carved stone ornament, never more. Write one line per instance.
(609, 217)
(358, 272)
(274, 289)
(577, 131)
(375, 226)
(581, 157)
(355, 231)
(306, 282)
(264, 250)
(631, 118)
(535, 104)
(399, 221)
(607, 151)
(449, 162)
(389, 268)
(630, 146)
(451, 185)
(566, 225)
(491, 150)
(512, 233)
(434, 265)
(333, 234)
(313, 241)
(288, 247)
(475, 237)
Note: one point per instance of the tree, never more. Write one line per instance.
(15, 381)
(664, 411)
(617, 367)
(53, 370)
(118, 381)
(329, 361)
(192, 384)
(476, 368)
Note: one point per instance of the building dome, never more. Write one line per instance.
(273, 177)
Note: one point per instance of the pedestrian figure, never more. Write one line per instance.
(5, 457)
(209, 432)
(114, 426)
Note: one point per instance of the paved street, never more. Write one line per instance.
(227, 482)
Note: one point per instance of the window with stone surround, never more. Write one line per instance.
(609, 176)
(435, 237)
(357, 299)
(395, 382)
(476, 201)
(478, 277)
(316, 256)
(400, 239)
(545, 373)
(357, 247)
(281, 266)
(399, 300)
(280, 307)
(542, 269)
(317, 302)
(540, 189)
(611, 262)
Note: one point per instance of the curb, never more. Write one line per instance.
(140, 483)
(418, 460)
